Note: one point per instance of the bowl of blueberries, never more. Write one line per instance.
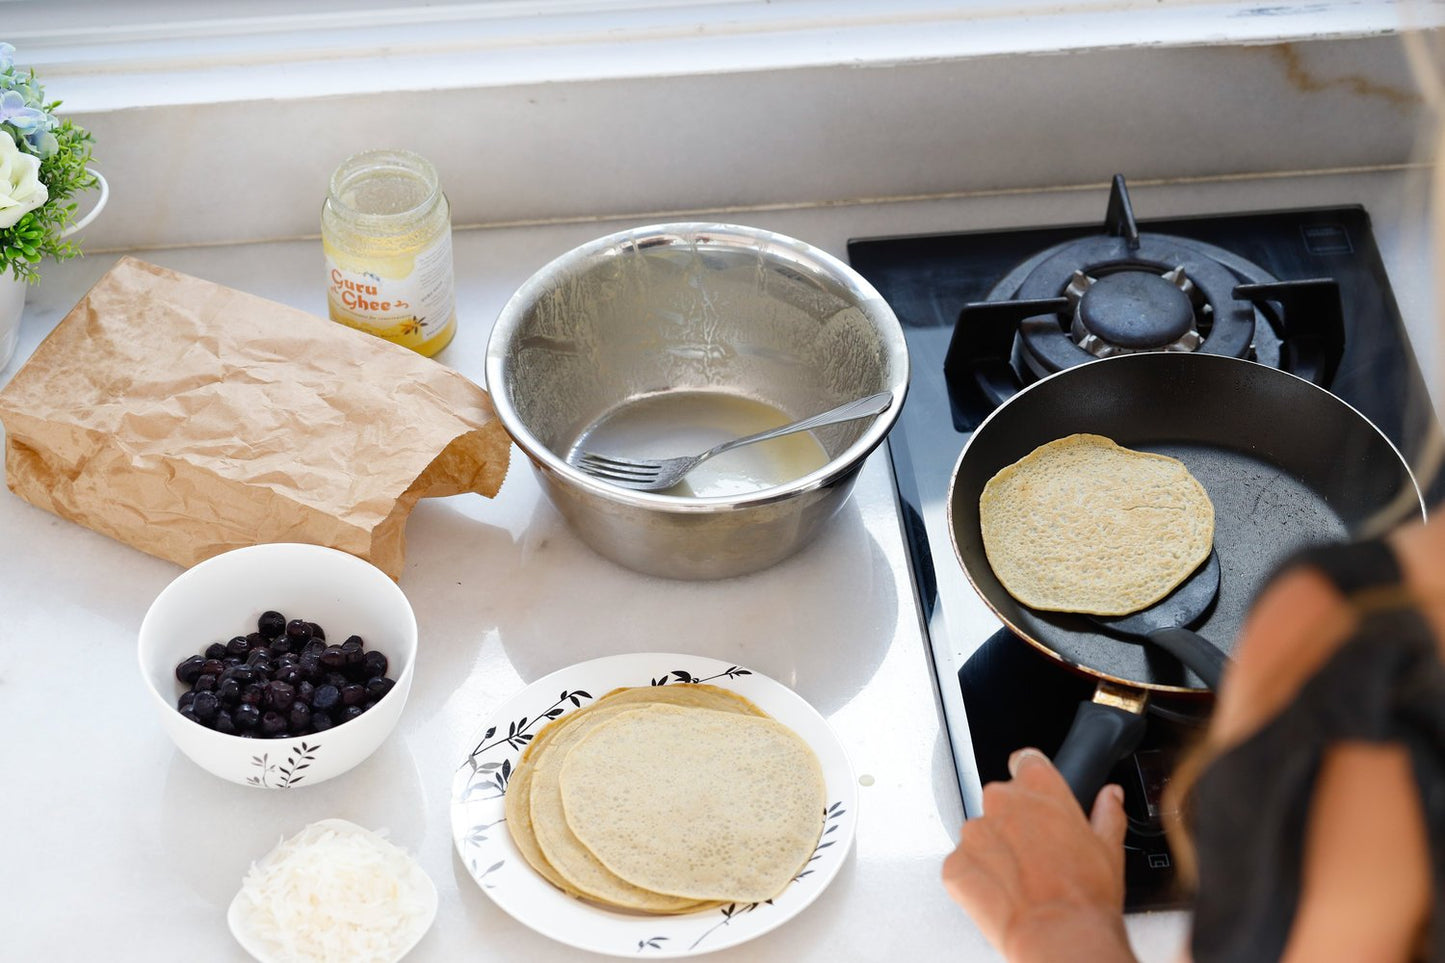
(279, 665)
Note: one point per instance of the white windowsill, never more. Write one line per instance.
(224, 127)
(109, 56)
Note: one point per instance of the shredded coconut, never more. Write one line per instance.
(337, 893)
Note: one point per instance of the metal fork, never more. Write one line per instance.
(658, 474)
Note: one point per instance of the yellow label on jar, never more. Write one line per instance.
(409, 300)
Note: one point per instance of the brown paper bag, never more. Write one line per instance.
(186, 418)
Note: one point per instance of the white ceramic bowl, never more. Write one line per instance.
(222, 597)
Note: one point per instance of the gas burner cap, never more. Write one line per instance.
(1165, 272)
(1133, 310)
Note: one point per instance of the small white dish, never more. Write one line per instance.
(480, 832)
(242, 928)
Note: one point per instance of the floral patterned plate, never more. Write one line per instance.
(479, 826)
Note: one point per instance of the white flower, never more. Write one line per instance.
(20, 189)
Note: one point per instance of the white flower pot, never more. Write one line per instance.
(12, 304)
(12, 292)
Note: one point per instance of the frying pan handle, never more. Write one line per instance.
(1195, 651)
(1100, 736)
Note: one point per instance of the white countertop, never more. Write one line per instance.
(121, 848)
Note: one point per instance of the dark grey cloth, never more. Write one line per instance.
(1250, 805)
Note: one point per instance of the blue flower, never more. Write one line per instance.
(43, 143)
(21, 116)
(7, 58)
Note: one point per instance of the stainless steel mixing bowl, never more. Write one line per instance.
(688, 308)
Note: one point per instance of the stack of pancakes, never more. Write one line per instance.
(667, 799)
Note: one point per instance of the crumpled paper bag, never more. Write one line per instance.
(186, 419)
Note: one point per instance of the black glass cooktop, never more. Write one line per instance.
(998, 692)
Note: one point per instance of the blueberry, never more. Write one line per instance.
(216, 650)
(378, 687)
(321, 721)
(305, 692)
(334, 657)
(298, 630)
(190, 669)
(224, 723)
(240, 645)
(271, 624)
(279, 696)
(246, 716)
(242, 673)
(282, 646)
(326, 698)
(186, 699)
(352, 649)
(205, 706)
(350, 712)
(317, 632)
(375, 663)
(353, 694)
(228, 691)
(300, 717)
(273, 725)
(204, 683)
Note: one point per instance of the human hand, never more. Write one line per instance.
(1042, 881)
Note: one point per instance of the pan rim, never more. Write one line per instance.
(1119, 360)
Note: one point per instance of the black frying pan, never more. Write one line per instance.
(1286, 464)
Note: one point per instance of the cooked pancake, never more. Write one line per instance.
(694, 802)
(534, 810)
(1083, 525)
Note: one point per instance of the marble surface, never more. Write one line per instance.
(129, 851)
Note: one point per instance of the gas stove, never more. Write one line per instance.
(985, 314)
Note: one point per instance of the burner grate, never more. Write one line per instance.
(1124, 290)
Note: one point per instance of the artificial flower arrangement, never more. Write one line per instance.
(43, 164)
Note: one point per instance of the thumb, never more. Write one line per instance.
(1107, 817)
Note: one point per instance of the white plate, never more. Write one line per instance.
(480, 831)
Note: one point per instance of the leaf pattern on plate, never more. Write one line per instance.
(478, 833)
(480, 875)
(831, 816)
(517, 735)
(729, 912)
(684, 676)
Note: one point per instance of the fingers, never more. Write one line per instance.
(1026, 756)
(1032, 769)
(1107, 817)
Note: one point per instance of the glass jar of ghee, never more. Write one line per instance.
(387, 234)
